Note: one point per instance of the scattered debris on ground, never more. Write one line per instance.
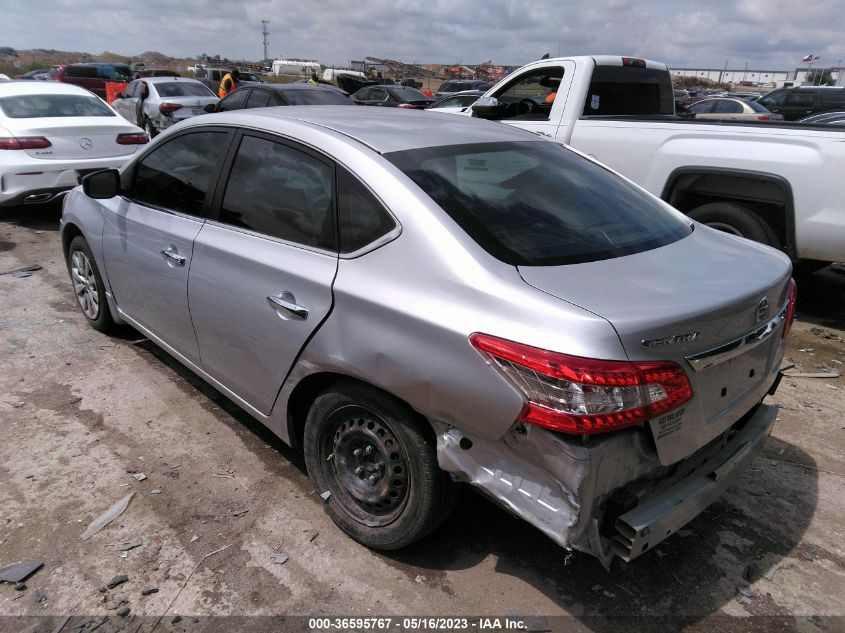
(107, 517)
(19, 571)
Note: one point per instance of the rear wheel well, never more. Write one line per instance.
(307, 391)
(767, 196)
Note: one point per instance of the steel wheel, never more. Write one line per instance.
(85, 284)
(369, 468)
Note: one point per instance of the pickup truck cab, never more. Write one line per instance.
(775, 183)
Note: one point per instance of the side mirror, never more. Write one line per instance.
(102, 184)
(487, 108)
(210, 108)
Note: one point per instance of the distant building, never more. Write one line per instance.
(763, 78)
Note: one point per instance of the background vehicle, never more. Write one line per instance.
(836, 117)
(392, 97)
(4, 77)
(156, 103)
(725, 109)
(51, 134)
(92, 76)
(796, 103)
(155, 72)
(212, 77)
(451, 86)
(39, 74)
(252, 218)
(455, 103)
(748, 179)
(269, 95)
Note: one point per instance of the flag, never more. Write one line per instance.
(807, 58)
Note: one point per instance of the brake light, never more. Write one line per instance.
(167, 107)
(790, 307)
(133, 138)
(579, 395)
(24, 142)
(633, 61)
(763, 117)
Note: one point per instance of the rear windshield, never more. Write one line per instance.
(623, 90)
(407, 93)
(756, 106)
(39, 106)
(538, 204)
(182, 89)
(317, 96)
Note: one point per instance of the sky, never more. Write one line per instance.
(765, 34)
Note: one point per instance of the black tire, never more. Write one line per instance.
(408, 497)
(736, 219)
(149, 128)
(88, 286)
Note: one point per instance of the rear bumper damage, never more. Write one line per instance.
(608, 496)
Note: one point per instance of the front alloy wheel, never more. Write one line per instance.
(88, 285)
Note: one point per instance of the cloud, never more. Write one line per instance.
(446, 31)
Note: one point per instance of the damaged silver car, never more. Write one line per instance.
(422, 302)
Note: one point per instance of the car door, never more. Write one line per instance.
(234, 101)
(149, 231)
(124, 105)
(531, 99)
(797, 104)
(263, 266)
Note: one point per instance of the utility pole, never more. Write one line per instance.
(722, 74)
(266, 35)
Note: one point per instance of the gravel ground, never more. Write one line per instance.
(82, 413)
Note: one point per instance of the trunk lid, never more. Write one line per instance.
(75, 138)
(682, 300)
(191, 106)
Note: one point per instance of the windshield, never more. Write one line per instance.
(39, 106)
(538, 204)
(317, 96)
(182, 89)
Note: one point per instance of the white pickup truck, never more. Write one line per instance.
(782, 184)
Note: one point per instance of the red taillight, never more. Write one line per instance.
(132, 138)
(579, 395)
(633, 61)
(763, 117)
(790, 307)
(167, 107)
(24, 142)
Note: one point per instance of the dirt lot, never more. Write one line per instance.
(81, 413)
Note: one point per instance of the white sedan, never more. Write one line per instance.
(53, 133)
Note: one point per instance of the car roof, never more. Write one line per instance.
(41, 87)
(293, 86)
(382, 129)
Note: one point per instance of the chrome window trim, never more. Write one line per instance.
(240, 229)
(739, 346)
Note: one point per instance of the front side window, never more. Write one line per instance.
(55, 105)
(538, 204)
(177, 174)
(258, 99)
(773, 98)
(800, 98)
(702, 107)
(234, 101)
(362, 217)
(531, 95)
(281, 192)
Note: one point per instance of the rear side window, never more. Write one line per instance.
(81, 71)
(629, 90)
(538, 204)
(832, 98)
(39, 106)
(177, 174)
(800, 97)
(773, 98)
(280, 191)
(724, 106)
(362, 217)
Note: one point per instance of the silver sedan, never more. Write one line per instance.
(421, 301)
(156, 103)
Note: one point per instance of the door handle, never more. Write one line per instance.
(287, 302)
(173, 257)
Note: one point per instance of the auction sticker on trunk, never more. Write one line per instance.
(669, 423)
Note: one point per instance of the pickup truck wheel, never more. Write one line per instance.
(737, 220)
(371, 454)
(88, 285)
